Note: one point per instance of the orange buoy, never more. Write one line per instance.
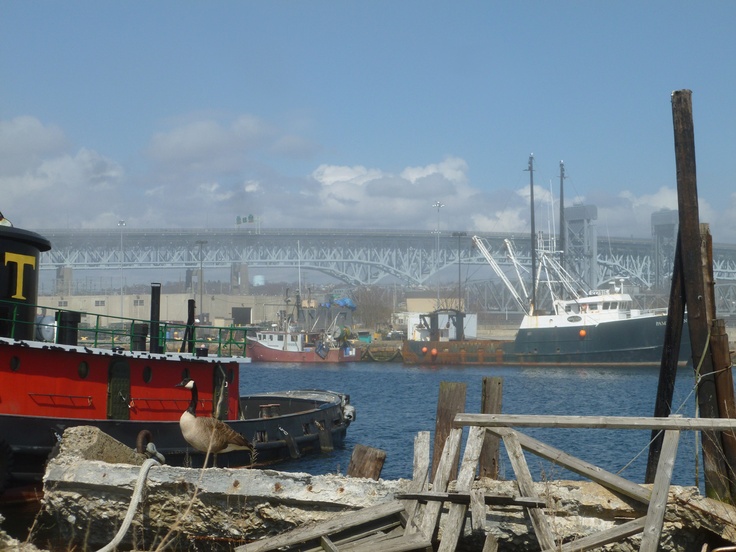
(424, 350)
(582, 333)
(434, 352)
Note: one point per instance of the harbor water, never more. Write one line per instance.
(394, 402)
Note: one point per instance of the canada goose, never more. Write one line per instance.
(207, 433)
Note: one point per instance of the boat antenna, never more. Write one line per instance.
(534, 234)
(563, 229)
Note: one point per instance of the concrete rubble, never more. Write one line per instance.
(86, 499)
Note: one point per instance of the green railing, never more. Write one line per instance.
(70, 327)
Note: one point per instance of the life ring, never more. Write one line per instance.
(6, 464)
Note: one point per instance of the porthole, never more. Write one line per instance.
(83, 369)
(147, 374)
(14, 363)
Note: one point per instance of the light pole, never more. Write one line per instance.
(459, 235)
(201, 278)
(438, 205)
(121, 225)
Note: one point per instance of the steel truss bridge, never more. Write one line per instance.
(366, 257)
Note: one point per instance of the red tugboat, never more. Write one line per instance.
(49, 385)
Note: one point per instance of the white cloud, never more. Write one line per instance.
(207, 167)
(25, 142)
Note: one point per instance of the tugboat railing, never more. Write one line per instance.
(107, 331)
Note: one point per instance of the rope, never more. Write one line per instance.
(135, 500)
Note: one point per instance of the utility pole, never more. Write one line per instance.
(201, 278)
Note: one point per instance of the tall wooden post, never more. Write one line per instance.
(699, 317)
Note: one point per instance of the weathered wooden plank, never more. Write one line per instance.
(477, 510)
(428, 522)
(491, 403)
(420, 472)
(615, 534)
(456, 516)
(398, 544)
(658, 505)
(576, 465)
(490, 544)
(366, 462)
(593, 422)
(450, 401)
(316, 530)
(327, 544)
(526, 486)
(465, 498)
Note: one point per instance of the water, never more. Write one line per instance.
(394, 402)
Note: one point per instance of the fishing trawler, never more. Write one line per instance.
(578, 327)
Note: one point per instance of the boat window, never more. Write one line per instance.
(147, 374)
(614, 306)
(293, 337)
(280, 337)
(606, 306)
(83, 369)
(14, 363)
(594, 306)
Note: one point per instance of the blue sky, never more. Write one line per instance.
(360, 114)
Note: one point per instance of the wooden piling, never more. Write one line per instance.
(366, 462)
(697, 297)
(725, 394)
(451, 401)
(491, 400)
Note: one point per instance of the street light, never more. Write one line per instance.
(459, 235)
(201, 278)
(121, 225)
(438, 205)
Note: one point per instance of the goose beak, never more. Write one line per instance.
(180, 384)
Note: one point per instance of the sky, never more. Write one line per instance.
(361, 115)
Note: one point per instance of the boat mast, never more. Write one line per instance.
(563, 230)
(534, 234)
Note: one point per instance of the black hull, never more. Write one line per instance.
(27, 442)
(632, 342)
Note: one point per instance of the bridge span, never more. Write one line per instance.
(361, 257)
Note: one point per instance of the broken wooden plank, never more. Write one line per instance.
(660, 491)
(404, 543)
(526, 486)
(456, 516)
(576, 465)
(316, 530)
(430, 514)
(477, 510)
(615, 534)
(592, 422)
(465, 498)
